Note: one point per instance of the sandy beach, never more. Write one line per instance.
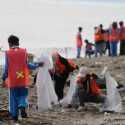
(92, 116)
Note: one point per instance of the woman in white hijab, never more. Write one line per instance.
(45, 87)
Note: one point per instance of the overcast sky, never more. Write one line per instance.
(46, 23)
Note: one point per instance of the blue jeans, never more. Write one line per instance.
(113, 48)
(17, 99)
(78, 52)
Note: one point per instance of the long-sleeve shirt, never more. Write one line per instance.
(31, 66)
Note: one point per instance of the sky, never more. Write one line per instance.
(53, 23)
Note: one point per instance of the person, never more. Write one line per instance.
(45, 86)
(106, 38)
(89, 49)
(100, 44)
(114, 38)
(16, 77)
(62, 67)
(79, 41)
(122, 38)
(87, 88)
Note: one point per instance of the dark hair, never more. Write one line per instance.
(80, 28)
(86, 41)
(121, 23)
(95, 27)
(13, 40)
(114, 25)
(101, 26)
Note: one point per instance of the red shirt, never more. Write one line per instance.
(79, 40)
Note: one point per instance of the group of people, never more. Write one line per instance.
(104, 40)
(51, 81)
(16, 78)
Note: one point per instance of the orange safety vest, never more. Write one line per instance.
(106, 37)
(122, 34)
(18, 74)
(98, 37)
(95, 88)
(79, 40)
(59, 67)
(114, 35)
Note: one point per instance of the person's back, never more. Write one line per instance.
(98, 35)
(17, 67)
(99, 41)
(89, 48)
(79, 42)
(88, 90)
(16, 76)
(114, 38)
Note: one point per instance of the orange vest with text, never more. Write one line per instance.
(18, 74)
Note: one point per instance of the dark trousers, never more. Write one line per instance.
(59, 87)
(122, 47)
(89, 97)
(113, 48)
(89, 53)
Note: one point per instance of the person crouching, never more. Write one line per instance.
(88, 90)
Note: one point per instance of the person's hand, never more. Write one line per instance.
(102, 94)
(77, 67)
(41, 64)
(3, 85)
(31, 86)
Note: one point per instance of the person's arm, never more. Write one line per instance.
(5, 69)
(92, 44)
(5, 72)
(33, 66)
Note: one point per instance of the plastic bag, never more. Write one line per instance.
(113, 100)
(68, 98)
(45, 86)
